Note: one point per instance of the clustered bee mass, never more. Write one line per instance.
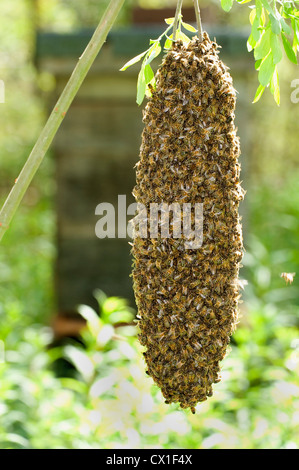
(187, 299)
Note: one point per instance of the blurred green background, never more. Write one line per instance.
(106, 400)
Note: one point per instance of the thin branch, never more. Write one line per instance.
(198, 19)
(56, 117)
(176, 18)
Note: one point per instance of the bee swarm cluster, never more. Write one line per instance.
(187, 299)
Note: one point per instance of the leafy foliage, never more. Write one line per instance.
(111, 403)
(146, 77)
(274, 27)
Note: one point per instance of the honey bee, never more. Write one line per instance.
(152, 89)
(160, 335)
(180, 364)
(185, 290)
(288, 277)
(158, 264)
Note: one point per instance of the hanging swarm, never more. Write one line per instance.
(187, 299)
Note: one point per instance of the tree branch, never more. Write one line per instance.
(198, 19)
(176, 18)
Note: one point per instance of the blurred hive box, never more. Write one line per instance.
(97, 147)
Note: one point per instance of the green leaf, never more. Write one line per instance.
(275, 24)
(141, 86)
(296, 36)
(227, 4)
(168, 42)
(263, 17)
(74, 385)
(288, 49)
(100, 296)
(133, 61)
(266, 70)
(285, 27)
(189, 27)
(275, 48)
(183, 37)
(259, 8)
(148, 73)
(268, 7)
(81, 361)
(169, 20)
(263, 46)
(251, 43)
(258, 64)
(274, 87)
(260, 90)
(105, 335)
(13, 438)
(295, 43)
(252, 16)
(113, 304)
(153, 53)
(287, 9)
(103, 385)
(243, 1)
(122, 316)
(94, 323)
(255, 31)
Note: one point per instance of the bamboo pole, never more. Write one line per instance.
(56, 117)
